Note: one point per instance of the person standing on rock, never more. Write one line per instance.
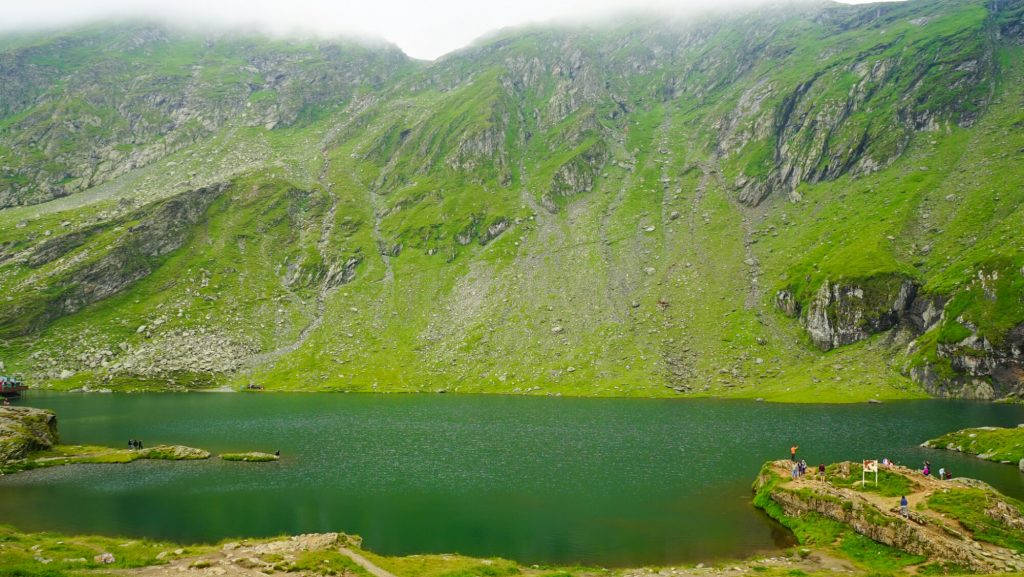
(903, 506)
(792, 452)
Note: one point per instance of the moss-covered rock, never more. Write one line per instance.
(174, 453)
(842, 313)
(250, 457)
(24, 430)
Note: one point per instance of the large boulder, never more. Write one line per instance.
(24, 430)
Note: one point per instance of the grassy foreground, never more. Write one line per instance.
(54, 555)
(997, 444)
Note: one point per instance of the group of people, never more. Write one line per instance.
(134, 444)
(926, 470)
(800, 466)
(800, 469)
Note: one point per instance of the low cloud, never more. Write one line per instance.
(423, 29)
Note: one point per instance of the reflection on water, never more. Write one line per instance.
(599, 481)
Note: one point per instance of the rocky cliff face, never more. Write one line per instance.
(975, 368)
(808, 131)
(842, 313)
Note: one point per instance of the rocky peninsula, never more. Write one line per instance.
(29, 440)
(960, 525)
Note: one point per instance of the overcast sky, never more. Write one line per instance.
(422, 28)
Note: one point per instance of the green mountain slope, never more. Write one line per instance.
(796, 202)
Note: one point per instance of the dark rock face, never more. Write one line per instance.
(845, 312)
(787, 303)
(982, 370)
(23, 430)
(924, 311)
(161, 234)
(576, 176)
(1010, 16)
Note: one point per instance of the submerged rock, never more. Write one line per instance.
(250, 457)
(174, 453)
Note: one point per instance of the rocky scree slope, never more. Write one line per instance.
(791, 201)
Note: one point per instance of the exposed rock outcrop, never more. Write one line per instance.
(977, 368)
(844, 312)
(250, 457)
(174, 453)
(577, 175)
(23, 430)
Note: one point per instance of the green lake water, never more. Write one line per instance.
(613, 482)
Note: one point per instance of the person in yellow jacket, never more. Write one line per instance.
(792, 452)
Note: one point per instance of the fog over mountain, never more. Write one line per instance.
(422, 29)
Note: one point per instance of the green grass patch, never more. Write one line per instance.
(990, 443)
(969, 506)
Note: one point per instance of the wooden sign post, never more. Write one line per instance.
(868, 467)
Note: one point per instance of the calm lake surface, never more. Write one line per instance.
(540, 480)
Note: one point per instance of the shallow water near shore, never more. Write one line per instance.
(613, 482)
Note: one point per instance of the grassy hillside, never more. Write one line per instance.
(808, 204)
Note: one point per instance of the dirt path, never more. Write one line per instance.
(365, 563)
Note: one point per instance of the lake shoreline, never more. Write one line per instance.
(520, 477)
(811, 399)
(841, 527)
(34, 554)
